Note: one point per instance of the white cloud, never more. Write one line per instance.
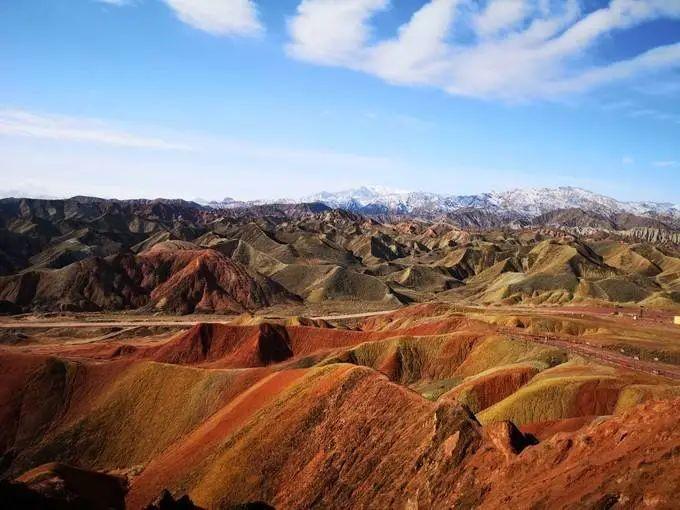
(219, 17)
(523, 48)
(74, 129)
(627, 160)
(666, 164)
(331, 32)
(500, 15)
(418, 53)
(656, 58)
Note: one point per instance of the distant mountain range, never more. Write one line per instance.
(520, 204)
(550, 207)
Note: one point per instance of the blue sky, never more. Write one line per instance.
(284, 98)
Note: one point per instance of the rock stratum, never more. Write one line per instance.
(87, 254)
(330, 359)
(426, 407)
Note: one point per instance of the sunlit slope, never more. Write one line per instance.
(176, 257)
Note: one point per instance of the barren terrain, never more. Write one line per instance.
(504, 386)
(319, 359)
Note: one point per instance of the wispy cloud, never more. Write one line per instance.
(501, 15)
(666, 164)
(71, 155)
(75, 129)
(217, 17)
(636, 111)
(520, 49)
(627, 160)
(654, 114)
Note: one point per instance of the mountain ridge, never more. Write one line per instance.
(521, 203)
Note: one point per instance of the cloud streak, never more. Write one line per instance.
(73, 129)
(518, 50)
(71, 155)
(666, 164)
(117, 3)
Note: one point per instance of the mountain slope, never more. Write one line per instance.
(520, 203)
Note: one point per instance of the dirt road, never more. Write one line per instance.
(563, 342)
(351, 315)
(44, 324)
(604, 355)
(142, 321)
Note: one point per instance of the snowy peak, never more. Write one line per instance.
(526, 203)
(536, 201)
(517, 204)
(362, 197)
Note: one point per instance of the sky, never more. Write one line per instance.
(267, 99)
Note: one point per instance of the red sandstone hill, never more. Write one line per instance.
(165, 278)
(427, 407)
(184, 281)
(227, 346)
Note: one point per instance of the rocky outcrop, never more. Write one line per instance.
(653, 235)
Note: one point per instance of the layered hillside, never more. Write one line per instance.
(168, 277)
(426, 407)
(178, 257)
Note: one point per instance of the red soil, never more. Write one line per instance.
(204, 280)
(348, 437)
(190, 452)
(337, 436)
(15, 371)
(188, 287)
(225, 346)
(39, 393)
(494, 387)
(546, 429)
(306, 340)
(405, 364)
(597, 398)
(627, 461)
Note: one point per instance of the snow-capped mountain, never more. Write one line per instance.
(514, 204)
(231, 203)
(526, 203)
